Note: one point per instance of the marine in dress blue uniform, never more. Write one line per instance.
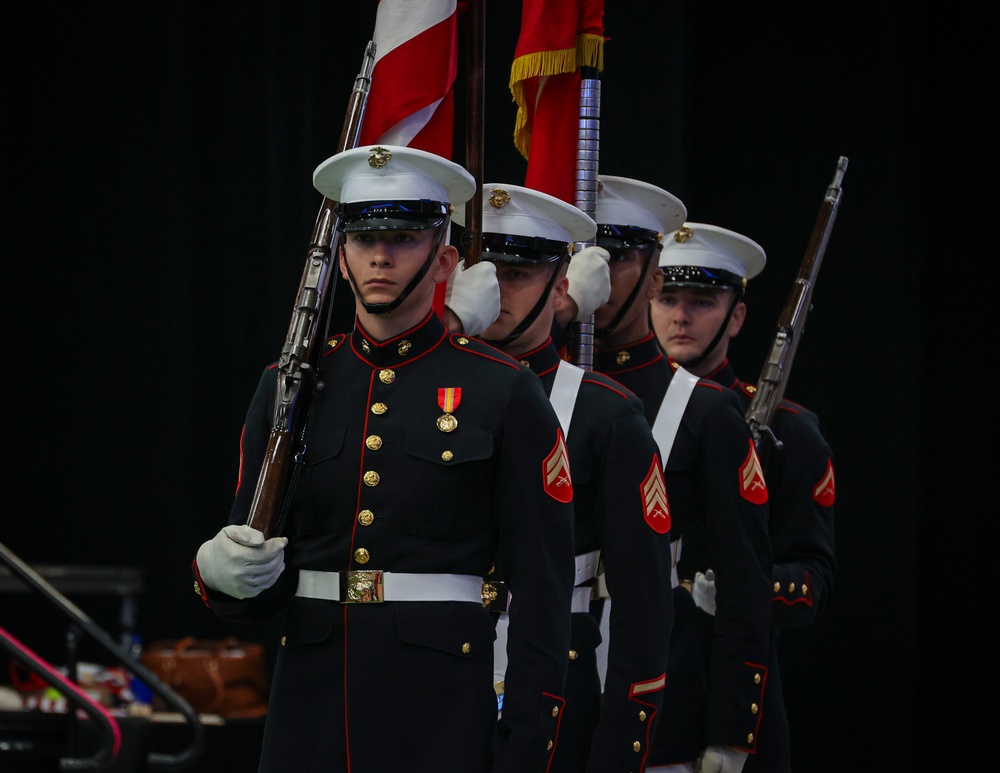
(709, 260)
(621, 508)
(429, 458)
(717, 667)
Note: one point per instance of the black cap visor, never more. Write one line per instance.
(414, 215)
(506, 248)
(699, 276)
(626, 237)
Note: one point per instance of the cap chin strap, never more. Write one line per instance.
(532, 315)
(385, 308)
(616, 320)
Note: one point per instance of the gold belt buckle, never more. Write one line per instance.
(361, 587)
(495, 595)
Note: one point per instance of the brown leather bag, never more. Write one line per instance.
(226, 677)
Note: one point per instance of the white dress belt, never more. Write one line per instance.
(374, 585)
(586, 566)
(586, 569)
(600, 588)
(581, 599)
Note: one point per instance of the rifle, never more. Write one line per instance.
(297, 366)
(778, 364)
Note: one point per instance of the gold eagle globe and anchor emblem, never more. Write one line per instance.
(499, 198)
(379, 157)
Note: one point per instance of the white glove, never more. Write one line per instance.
(589, 280)
(473, 295)
(239, 562)
(721, 759)
(703, 591)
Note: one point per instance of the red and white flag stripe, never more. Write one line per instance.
(411, 102)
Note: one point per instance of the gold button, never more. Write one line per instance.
(371, 478)
(623, 357)
(462, 341)
(751, 389)
(379, 408)
(555, 711)
(756, 678)
(549, 746)
(803, 589)
(197, 588)
(447, 456)
(365, 517)
(386, 376)
(749, 738)
(777, 587)
(283, 640)
(791, 587)
(466, 648)
(374, 442)
(636, 746)
(573, 655)
(404, 347)
(642, 716)
(754, 708)
(332, 343)
(361, 556)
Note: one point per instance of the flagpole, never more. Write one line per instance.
(474, 138)
(587, 157)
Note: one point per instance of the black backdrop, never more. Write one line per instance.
(162, 206)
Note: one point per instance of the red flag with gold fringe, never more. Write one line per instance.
(557, 38)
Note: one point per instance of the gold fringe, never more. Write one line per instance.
(589, 52)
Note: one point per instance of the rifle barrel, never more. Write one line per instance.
(297, 371)
(791, 322)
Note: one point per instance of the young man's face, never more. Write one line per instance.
(521, 285)
(686, 319)
(628, 267)
(384, 262)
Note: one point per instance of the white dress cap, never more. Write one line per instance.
(712, 247)
(392, 173)
(514, 210)
(622, 201)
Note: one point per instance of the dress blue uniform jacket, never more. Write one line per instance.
(802, 491)
(407, 685)
(620, 509)
(717, 666)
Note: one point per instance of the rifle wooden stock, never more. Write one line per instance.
(791, 322)
(297, 365)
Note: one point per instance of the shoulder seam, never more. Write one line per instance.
(494, 355)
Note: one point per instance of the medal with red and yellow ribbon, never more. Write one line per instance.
(448, 400)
